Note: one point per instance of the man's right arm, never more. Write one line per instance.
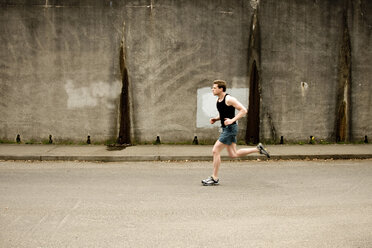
(213, 120)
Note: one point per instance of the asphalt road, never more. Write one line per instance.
(160, 204)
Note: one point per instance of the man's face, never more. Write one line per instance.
(216, 90)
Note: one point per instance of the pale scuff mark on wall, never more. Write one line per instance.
(95, 94)
(255, 3)
(226, 12)
(206, 104)
(304, 88)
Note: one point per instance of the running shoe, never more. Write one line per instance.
(210, 181)
(262, 150)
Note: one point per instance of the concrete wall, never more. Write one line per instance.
(300, 47)
(360, 23)
(59, 71)
(175, 49)
(60, 67)
(301, 43)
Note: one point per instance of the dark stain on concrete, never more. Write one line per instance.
(124, 131)
(343, 105)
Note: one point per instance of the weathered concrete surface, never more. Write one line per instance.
(176, 48)
(59, 71)
(60, 66)
(300, 46)
(360, 24)
(258, 204)
(301, 43)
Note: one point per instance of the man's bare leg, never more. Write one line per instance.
(231, 149)
(217, 148)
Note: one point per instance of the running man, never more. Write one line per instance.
(226, 106)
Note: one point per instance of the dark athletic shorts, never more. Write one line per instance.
(228, 135)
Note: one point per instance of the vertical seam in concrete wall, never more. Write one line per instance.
(254, 72)
(343, 105)
(125, 124)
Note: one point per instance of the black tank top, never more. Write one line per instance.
(225, 111)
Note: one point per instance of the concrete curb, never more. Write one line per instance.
(144, 158)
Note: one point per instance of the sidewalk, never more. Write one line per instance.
(175, 152)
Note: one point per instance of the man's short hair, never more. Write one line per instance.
(221, 84)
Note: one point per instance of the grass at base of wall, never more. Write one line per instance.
(200, 142)
(7, 142)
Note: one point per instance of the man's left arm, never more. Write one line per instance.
(232, 101)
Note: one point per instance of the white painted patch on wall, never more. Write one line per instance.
(206, 104)
(95, 94)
